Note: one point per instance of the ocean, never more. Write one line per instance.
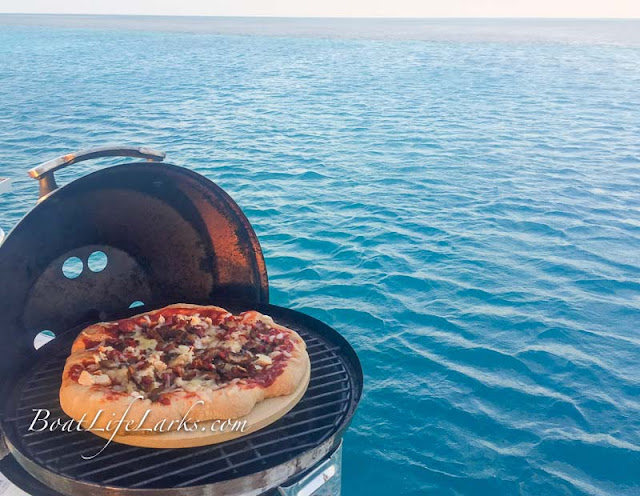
(459, 198)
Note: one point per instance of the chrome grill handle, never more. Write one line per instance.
(44, 172)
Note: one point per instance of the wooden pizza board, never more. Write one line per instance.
(264, 413)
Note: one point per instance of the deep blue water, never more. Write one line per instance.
(466, 213)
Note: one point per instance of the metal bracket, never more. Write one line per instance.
(324, 480)
(4, 449)
(5, 187)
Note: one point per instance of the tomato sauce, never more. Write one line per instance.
(75, 371)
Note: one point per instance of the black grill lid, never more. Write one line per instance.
(168, 234)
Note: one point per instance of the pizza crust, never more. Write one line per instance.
(208, 432)
(99, 407)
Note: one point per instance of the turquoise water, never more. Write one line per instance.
(466, 212)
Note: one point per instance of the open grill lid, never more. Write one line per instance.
(168, 234)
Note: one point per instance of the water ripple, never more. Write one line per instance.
(467, 214)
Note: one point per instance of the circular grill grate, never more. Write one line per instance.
(331, 398)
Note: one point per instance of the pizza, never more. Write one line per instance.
(158, 366)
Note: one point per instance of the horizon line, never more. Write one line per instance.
(259, 16)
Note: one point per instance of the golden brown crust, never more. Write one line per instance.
(228, 402)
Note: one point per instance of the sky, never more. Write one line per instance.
(335, 8)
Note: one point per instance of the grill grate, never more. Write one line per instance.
(312, 421)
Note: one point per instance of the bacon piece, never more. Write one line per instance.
(91, 343)
(146, 383)
(197, 330)
(167, 378)
(126, 326)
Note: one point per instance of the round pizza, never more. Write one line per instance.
(180, 360)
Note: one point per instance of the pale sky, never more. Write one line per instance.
(335, 8)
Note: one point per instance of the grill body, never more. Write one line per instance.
(248, 465)
(169, 236)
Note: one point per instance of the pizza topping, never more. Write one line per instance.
(176, 351)
(118, 376)
(147, 343)
(87, 379)
(101, 379)
(263, 360)
(75, 371)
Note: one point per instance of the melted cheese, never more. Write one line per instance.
(196, 384)
(185, 356)
(158, 364)
(118, 376)
(145, 372)
(101, 380)
(149, 344)
(263, 360)
(87, 379)
(234, 346)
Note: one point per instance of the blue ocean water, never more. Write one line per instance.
(463, 205)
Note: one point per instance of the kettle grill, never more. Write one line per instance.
(165, 234)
